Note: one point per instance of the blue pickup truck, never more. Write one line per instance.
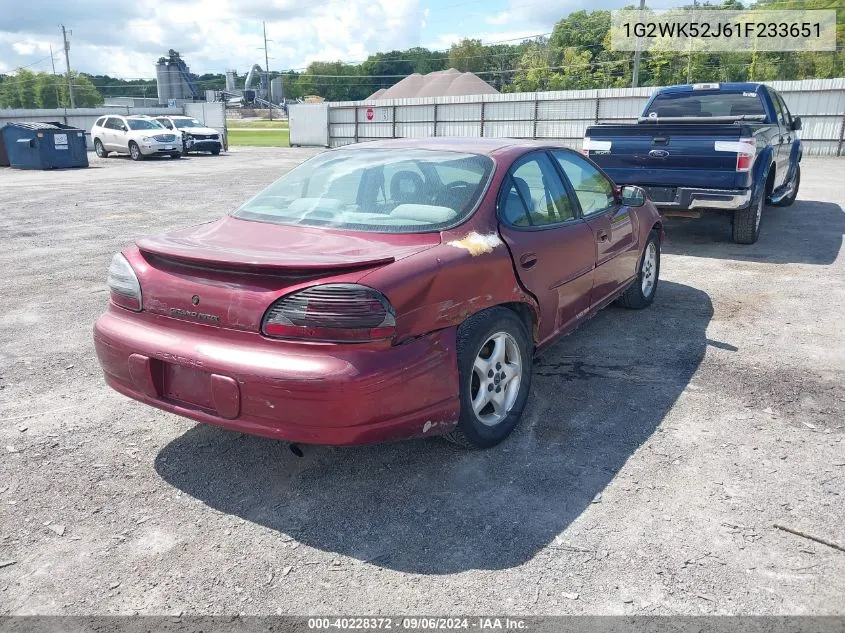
(731, 147)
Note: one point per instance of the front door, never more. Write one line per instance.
(611, 224)
(552, 248)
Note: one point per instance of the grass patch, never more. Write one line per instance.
(263, 124)
(259, 138)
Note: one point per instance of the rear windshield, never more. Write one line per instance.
(691, 104)
(381, 190)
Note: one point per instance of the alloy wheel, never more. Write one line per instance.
(495, 380)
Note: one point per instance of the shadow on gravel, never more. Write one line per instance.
(808, 232)
(428, 507)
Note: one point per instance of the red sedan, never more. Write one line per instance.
(389, 290)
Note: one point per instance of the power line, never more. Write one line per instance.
(35, 63)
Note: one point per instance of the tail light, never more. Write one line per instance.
(124, 287)
(597, 146)
(332, 313)
(745, 148)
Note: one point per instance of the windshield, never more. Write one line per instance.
(186, 123)
(143, 124)
(691, 104)
(382, 190)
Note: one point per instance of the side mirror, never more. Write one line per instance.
(632, 196)
(796, 123)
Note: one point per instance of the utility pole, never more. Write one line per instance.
(53, 63)
(689, 55)
(636, 78)
(267, 70)
(67, 63)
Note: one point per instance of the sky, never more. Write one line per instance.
(124, 38)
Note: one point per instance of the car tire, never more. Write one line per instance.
(99, 149)
(215, 152)
(641, 293)
(746, 222)
(176, 155)
(494, 339)
(135, 151)
(786, 202)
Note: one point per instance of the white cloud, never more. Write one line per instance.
(123, 39)
(499, 19)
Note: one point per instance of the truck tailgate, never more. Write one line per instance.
(668, 155)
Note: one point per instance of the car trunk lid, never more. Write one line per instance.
(227, 273)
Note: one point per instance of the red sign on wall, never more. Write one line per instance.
(370, 114)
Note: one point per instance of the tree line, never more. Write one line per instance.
(576, 55)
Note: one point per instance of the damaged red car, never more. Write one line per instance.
(390, 290)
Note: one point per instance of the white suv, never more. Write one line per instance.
(195, 136)
(138, 136)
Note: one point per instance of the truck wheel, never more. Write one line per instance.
(796, 182)
(746, 227)
(494, 368)
(641, 293)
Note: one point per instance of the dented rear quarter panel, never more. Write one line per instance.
(471, 270)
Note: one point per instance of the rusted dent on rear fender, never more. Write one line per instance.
(477, 244)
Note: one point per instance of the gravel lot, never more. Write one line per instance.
(657, 452)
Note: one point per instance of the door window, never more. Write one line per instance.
(787, 117)
(778, 109)
(594, 191)
(533, 194)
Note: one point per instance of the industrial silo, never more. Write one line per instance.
(277, 93)
(230, 81)
(163, 81)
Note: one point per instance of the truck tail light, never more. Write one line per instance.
(332, 313)
(124, 287)
(745, 149)
(599, 146)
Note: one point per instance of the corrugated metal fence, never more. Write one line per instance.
(562, 115)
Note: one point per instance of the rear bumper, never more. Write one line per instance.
(692, 198)
(297, 392)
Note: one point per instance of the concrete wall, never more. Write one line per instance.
(82, 118)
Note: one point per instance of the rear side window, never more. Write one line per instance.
(595, 193)
(533, 194)
(692, 104)
(100, 121)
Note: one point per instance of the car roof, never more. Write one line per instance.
(470, 145)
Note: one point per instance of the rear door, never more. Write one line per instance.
(611, 224)
(780, 142)
(117, 135)
(552, 248)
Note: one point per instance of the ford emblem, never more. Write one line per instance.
(658, 153)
